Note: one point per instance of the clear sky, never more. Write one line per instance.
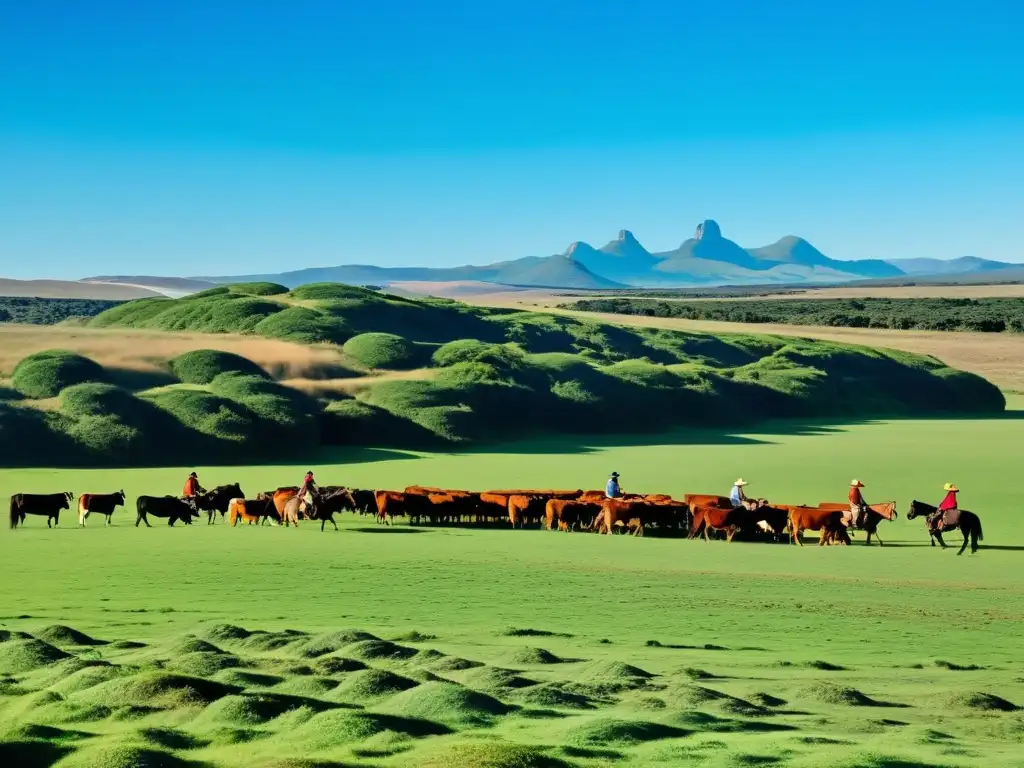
(232, 137)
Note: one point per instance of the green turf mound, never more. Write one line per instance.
(554, 695)
(45, 374)
(446, 703)
(429, 656)
(169, 738)
(263, 288)
(330, 642)
(980, 701)
(6, 635)
(308, 686)
(615, 675)
(202, 366)
(414, 636)
(86, 677)
(528, 632)
(265, 642)
(379, 650)
(30, 731)
(19, 656)
(329, 730)
(336, 665)
(193, 644)
(155, 689)
(333, 292)
(453, 664)
(222, 633)
(382, 350)
(831, 693)
(251, 709)
(762, 699)
(245, 678)
(371, 684)
(203, 664)
(497, 680)
(304, 326)
(120, 754)
(483, 754)
(610, 731)
(528, 655)
(127, 645)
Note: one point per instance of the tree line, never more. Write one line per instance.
(36, 311)
(984, 315)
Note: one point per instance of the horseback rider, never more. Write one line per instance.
(949, 509)
(612, 490)
(858, 507)
(192, 489)
(306, 492)
(738, 498)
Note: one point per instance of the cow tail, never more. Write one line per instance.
(14, 511)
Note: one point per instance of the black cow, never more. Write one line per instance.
(365, 501)
(171, 507)
(217, 500)
(100, 503)
(49, 504)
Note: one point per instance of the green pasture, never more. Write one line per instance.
(662, 652)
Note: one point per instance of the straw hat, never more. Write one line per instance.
(741, 481)
(950, 487)
(857, 484)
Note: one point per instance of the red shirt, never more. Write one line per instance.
(191, 487)
(949, 502)
(855, 497)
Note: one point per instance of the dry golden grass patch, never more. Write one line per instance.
(337, 388)
(149, 350)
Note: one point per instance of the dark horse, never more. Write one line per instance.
(49, 504)
(217, 500)
(969, 525)
(325, 504)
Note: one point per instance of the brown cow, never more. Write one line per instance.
(875, 514)
(831, 523)
(528, 507)
(251, 511)
(569, 515)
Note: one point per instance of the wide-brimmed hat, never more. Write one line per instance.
(615, 474)
(193, 474)
(856, 484)
(741, 481)
(950, 487)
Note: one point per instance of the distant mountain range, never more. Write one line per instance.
(706, 259)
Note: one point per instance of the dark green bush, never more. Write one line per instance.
(202, 366)
(475, 351)
(208, 414)
(382, 350)
(257, 289)
(45, 374)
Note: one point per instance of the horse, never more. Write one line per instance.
(49, 504)
(217, 500)
(326, 504)
(100, 503)
(251, 511)
(968, 523)
(875, 514)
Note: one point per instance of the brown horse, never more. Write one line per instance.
(869, 524)
(251, 511)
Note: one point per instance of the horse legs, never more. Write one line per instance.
(331, 518)
(964, 530)
(938, 535)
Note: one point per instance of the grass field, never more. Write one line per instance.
(895, 656)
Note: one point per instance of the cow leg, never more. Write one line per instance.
(48, 519)
(730, 533)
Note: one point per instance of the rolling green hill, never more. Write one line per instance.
(476, 375)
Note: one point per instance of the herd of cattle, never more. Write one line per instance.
(564, 510)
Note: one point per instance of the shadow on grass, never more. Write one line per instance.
(390, 529)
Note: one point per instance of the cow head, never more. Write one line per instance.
(119, 497)
(68, 496)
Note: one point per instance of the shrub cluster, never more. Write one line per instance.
(35, 311)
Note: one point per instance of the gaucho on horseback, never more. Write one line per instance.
(858, 507)
(307, 494)
(948, 514)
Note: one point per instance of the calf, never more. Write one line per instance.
(169, 507)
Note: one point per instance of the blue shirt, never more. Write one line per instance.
(736, 496)
(612, 489)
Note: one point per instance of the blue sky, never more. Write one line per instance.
(181, 138)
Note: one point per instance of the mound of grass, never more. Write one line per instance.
(382, 350)
(122, 754)
(85, 678)
(202, 366)
(32, 753)
(203, 664)
(304, 326)
(446, 703)
(528, 632)
(330, 642)
(980, 701)
(193, 644)
(257, 289)
(610, 731)
(19, 656)
(210, 415)
(333, 292)
(336, 665)
(528, 655)
(244, 678)
(454, 664)
(497, 679)
(155, 689)
(415, 636)
(45, 374)
(251, 709)
(329, 730)
(373, 650)
(59, 634)
(308, 686)
(264, 642)
(484, 754)
(555, 695)
(615, 675)
(6, 635)
(372, 684)
(830, 693)
(226, 632)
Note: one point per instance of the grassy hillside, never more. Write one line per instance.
(935, 314)
(474, 375)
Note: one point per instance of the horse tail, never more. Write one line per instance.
(15, 510)
(977, 525)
